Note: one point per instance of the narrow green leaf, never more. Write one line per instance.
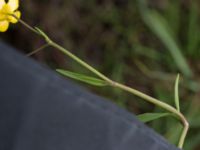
(83, 78)
(159, 25)
(147, 117)
(176, 93)
(193, 29)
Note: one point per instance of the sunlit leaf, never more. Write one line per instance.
(83, 78)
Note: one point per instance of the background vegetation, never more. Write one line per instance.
(141, 46)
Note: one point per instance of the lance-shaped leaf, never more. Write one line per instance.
(147, 117)
(176, 93)
(83, 78)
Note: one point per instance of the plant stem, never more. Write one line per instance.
(27, 26)
(63, 50)
(38, 49)
(147, 98)
(161, 104)
(184, 133)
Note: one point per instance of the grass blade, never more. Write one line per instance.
(147, 117)
(160, 27)
(193, 32)
(83, 78)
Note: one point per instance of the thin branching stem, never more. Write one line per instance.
(38, 49)
(146, 97)
(26, 25)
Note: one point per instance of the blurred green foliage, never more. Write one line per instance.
(141, 45)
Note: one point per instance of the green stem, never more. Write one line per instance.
(66, 52)
(161, 104)
(28, 26)
(148, 98)
(184, 133)
(38, 49)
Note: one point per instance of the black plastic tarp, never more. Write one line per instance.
(39, 110)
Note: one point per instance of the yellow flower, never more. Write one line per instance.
(7, 9)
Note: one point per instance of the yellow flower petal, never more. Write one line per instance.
(4, 26)
(13, 19)
(2, 17)
(4, 11)
(14, 4)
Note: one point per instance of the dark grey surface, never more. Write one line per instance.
(41, 111)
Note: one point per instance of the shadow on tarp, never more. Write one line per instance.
(39, 110)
